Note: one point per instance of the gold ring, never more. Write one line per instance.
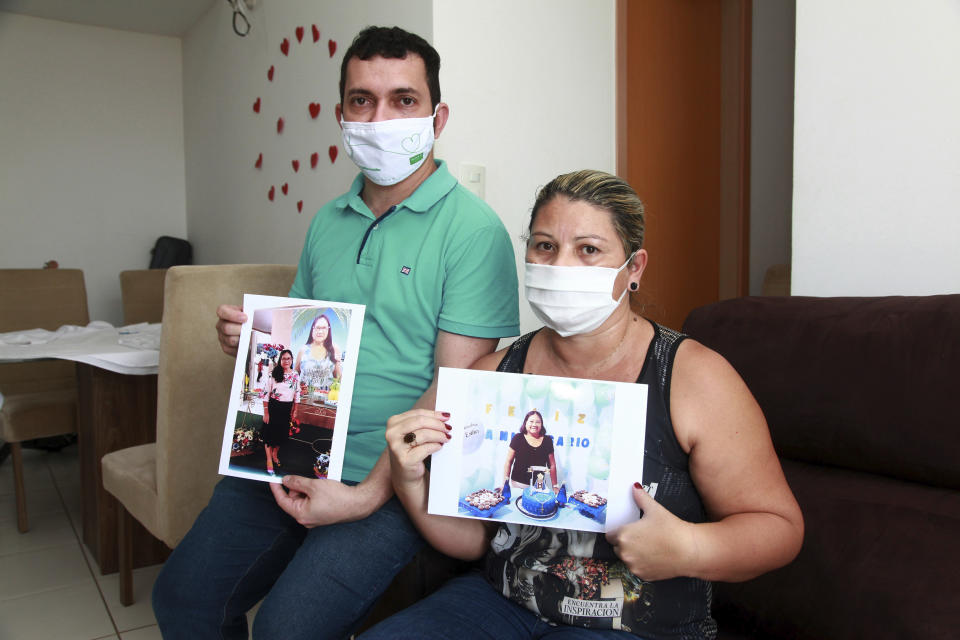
(410, 439)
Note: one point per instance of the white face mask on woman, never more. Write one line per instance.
(388, 151)
(572, 300)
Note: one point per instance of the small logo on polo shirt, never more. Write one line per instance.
(405, 270)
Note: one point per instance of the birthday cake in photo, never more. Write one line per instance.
(539, 503)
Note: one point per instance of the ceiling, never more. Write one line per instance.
(160, 17)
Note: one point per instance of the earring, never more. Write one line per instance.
(634, 286)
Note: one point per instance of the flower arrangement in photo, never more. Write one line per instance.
(244, 439)
(321, 465)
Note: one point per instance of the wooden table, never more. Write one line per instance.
(115, 411)
(317, 413)
(116, 408)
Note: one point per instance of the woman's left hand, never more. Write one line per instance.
(411, 437)
(659, 545)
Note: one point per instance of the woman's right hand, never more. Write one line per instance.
(430, 433)
(266, 416)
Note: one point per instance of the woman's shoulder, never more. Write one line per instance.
(491, 361)
(698, 364)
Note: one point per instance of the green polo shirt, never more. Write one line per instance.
(441, 259)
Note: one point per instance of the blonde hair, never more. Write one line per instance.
(602, 190)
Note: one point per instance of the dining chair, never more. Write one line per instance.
(165, 484)
(39, 397)
(141, 291)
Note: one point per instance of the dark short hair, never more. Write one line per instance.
(393, 42)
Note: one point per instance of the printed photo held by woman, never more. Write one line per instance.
(281, 396)
(531, 447)
(722, 510)
(317, 361)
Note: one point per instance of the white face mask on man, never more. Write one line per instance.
(572, 300)
(388, 151)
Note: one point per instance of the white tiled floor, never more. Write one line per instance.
(49, 585)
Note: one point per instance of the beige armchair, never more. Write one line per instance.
(165, 485)
(142, 294)
(39, 397)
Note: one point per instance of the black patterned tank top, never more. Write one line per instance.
(574, 577)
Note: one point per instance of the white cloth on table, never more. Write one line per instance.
(133, 349)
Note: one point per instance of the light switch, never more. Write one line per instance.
(474, 178)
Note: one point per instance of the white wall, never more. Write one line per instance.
(876, 206)
(91, 150)
(230, 218)
(531, 87)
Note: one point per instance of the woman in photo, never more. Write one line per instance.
(317, 361)
(531, 447)
(283, 394)
(722, 510)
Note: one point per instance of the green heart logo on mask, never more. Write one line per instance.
(411, 143)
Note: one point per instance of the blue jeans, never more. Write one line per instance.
(315, 583)
(468, 608)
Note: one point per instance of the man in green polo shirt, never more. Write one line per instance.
(435, 268)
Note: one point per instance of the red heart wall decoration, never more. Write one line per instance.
(279, 125)
(256, 106)
(299, 206)
(270, 73)
(270, 194)
(332, 152)
(314, 109)
(285, 46)
(296, 165)
(314, 158)
(284, 188)
(299, 32)
(316, 33)
(332, 46)
(259, 162)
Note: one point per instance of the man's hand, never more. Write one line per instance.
(230, 317)
(317, 502)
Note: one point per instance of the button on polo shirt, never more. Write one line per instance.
(441, 259)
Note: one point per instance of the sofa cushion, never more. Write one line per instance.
(878, 561)
(859, 383)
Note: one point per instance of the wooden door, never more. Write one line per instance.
(683, 87)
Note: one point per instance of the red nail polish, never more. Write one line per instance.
(445, 414)
(637, 485)
(448, 427)
(448, 436)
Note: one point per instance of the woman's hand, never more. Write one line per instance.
(266, 416)
(659, 545)
(411, 437)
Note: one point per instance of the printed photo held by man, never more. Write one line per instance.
(435, 268)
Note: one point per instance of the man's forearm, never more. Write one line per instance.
(376, 488)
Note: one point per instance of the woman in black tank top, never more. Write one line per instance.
(722, 509)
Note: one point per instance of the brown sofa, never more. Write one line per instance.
(861, 395)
